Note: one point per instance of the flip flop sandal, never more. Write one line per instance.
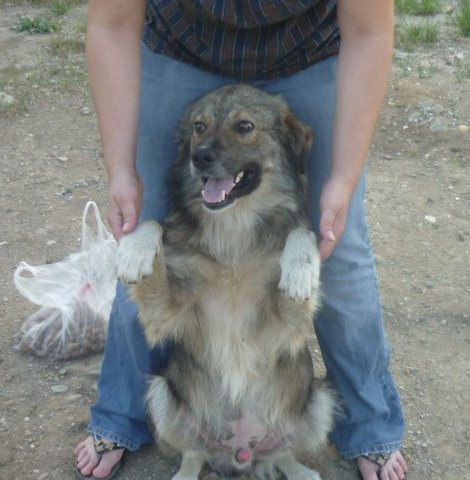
(103, 446)
(380, 459)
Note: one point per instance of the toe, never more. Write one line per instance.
(395, 468)
(86, 457)
(402, 462)
(81, 455)
(398, 465)
(368, 469)
(80, 447)
(390, 475)
(107, 463)
(83, 460)
(398, 471)
(86, 467)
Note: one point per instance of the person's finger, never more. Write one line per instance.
(327, 222)
(329, 238)
(326, 248)
(115, 221)
(129, 218)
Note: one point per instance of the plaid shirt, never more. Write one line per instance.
(244, 39)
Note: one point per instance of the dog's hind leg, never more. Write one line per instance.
(264, 470)
(294, 470)
(191, 464)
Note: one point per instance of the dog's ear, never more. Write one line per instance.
(297, 139)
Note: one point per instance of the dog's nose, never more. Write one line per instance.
(203, 156)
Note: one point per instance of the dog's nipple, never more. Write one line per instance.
(243, 455)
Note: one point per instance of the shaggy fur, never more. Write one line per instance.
(232, 280)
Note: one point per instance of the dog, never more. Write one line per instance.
(233, 280)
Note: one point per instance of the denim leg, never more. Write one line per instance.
(119, 413)
(349, 325)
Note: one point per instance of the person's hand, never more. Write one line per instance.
(334, 204)
(125, 200)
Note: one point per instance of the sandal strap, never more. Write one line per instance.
(379, 459)
(102, 446)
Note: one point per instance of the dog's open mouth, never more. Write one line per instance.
(220, 192)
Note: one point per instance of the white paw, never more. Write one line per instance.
(300, 266)
(294, 470)
(264, 470)
(187, 476)
(303, 473)
(137, 250)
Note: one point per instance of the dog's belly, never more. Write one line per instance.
(244, 439)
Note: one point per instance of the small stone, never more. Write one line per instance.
(430, 219)
(6, 100)
(86, 110)
(63, 371)
(438, 126)
(444, 323)
(51, 242)
(74, 397)
(379, 260)
(59, 388)
(463, 128)
(448, 9)
(94, 372)
(62, 159)
(44, 476)
(425, 63)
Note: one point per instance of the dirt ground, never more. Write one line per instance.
(419, 215)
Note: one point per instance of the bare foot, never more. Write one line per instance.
(394, 469)
(89, 463)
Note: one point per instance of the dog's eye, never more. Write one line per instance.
(199, 127)
(244, 126)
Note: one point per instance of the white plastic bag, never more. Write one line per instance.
(75, 296)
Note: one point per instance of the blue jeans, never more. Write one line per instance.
(349, 326)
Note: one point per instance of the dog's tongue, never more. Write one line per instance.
(214, 188)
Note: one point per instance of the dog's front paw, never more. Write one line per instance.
(300, 266)
(137, 251)
(299, 281)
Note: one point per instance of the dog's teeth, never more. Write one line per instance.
(222, 196)
(239, 177)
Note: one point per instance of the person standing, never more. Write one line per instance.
(330, 60)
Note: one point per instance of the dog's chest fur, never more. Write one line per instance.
(231, 305)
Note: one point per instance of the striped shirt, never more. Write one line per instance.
(244, 39)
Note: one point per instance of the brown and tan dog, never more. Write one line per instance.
(233, 280)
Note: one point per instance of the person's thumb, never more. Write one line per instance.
(129, 218)
(328, 237)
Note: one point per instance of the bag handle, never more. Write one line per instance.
(102, 233)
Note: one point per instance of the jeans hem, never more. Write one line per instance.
(114, 437)
(359, 451)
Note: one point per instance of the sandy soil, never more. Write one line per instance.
(419, 214)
